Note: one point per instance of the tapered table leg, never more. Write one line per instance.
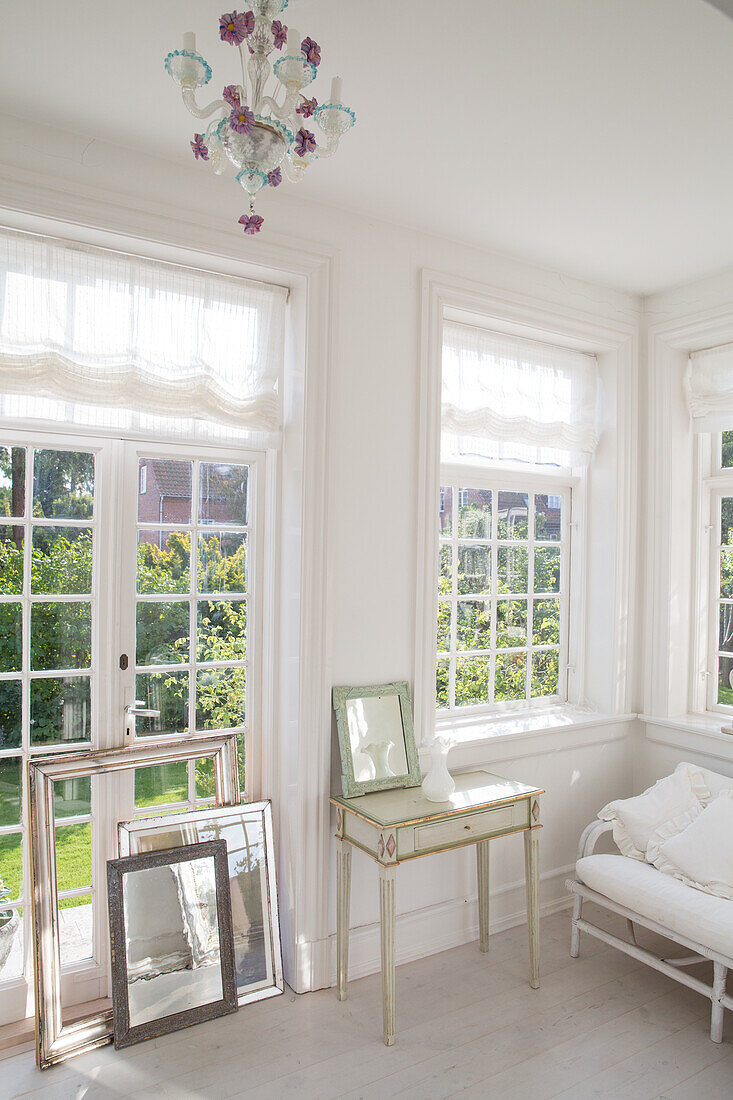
(532, 879)
(482, 869)
(343, 898)
(387, 921)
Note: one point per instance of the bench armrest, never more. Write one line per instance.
(591, 835)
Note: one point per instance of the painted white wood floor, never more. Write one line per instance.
(468, 1025)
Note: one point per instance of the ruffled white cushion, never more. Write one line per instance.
(675, 800)
(642, 888)
(702, 854)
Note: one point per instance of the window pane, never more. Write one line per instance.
(474, 514)
(76, 935)
(546, 622)
(726, 574)
(547, 569)
(164, 783)
(72, 797)
(441, 683)
(726, 456)
(61, 561)
(11, 637)
(166, 692)
(164, 491)
(10, 773)
(446, 510)
(474, 570)
(547, 517)
(725, 681)
(12, 481)
(513, 514)
(220, 698)
(162, 633)
(204, 776)
(11, 863)
(163, 561)
(221, 630)
(446, 566)
(509, 680)
(544, 673)
(725, 629)
(443, 636)
(60, 710)
(223, 493)
(11, 694)
(73, 857)
(726, 521)
(511, 623)
(222, 562)
(512, 569)
(11, 560)
(63, 484)
(61, 635)
(472, 681)
(13, 966)
(473, 624)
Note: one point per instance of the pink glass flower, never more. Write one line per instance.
(307, 107)
(235, 26)
(280, 34)
(199, 149)
(231, 95)
(274, 178)
(305, 142)
(312, 51)
(241, 120)
(252, 223)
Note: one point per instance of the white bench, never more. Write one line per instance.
(645, 896)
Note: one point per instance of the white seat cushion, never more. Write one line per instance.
(705, 919)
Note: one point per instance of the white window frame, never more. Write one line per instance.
(497, 477)
(114, 556)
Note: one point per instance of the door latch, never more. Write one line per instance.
(137, 710)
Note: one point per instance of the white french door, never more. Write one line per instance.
(129, 581)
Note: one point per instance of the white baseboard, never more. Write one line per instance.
(449, 924)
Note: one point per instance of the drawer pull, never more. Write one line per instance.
(467, 827)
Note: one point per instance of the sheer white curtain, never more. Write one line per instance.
(709, 389)
(102, 339)
(505, 397)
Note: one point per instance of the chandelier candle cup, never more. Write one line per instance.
(261, 134)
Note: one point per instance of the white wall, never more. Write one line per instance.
(372, 463)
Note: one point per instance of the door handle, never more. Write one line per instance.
(139, 710)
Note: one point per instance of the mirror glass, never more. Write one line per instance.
(171, 939)
(377, 737)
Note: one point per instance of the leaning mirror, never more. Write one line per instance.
(376, 738)
(171, 944)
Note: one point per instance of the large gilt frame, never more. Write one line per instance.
(56, 1041)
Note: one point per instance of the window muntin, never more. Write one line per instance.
(502, 596)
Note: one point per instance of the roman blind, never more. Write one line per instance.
(709, 388)
(104, 339)
(500, 391)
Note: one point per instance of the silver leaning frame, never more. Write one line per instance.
(56, 1041)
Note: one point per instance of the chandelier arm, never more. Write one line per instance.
(244, 75)
(189, 98)
(283, 112)
(328, 150)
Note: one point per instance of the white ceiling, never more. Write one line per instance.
(593, 136)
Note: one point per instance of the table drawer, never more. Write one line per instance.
(471, 826)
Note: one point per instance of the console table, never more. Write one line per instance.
(397, 825)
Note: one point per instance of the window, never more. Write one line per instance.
(719, 673)
(130, 571)
(517, 427)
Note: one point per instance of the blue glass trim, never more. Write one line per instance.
(251, 172)
(295, 57)
(339, 107)
(276, 124)
(195, 56)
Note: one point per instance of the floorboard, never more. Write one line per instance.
(602, 1026)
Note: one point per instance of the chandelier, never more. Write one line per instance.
(264, 139)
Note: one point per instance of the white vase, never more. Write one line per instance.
(438, 785)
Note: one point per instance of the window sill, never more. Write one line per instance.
(527, 734)
(696, 732)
